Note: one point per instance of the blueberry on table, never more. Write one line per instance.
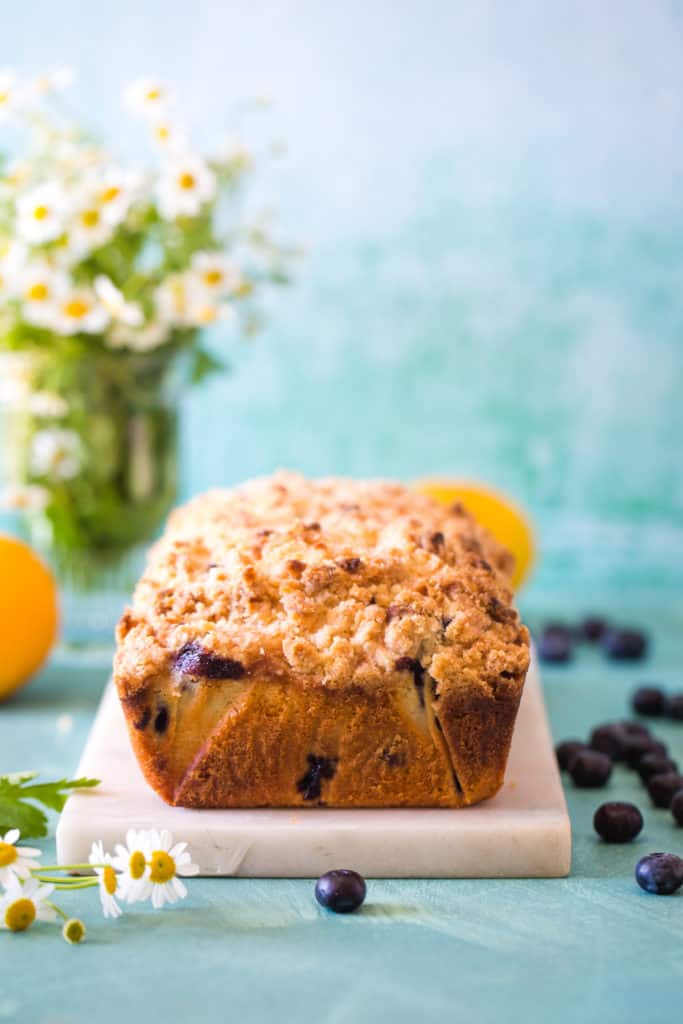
(655, 764)
(636, 747)
(609, 739)
(624, 644)
(649, 700)
(677, 807)
(660, 873)
(592, 628)
(663, 788)
(342, 891)
(555, 644)
(565, 751)
(590, 769)
(674, 707)
(617, 822)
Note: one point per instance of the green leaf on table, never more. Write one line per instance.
(17, 789)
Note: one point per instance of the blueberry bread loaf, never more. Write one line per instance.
(339, 643)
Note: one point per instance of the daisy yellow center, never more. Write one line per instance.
(153, 94)
(110, 194)
(162, 867)
(109, 879)
(207, 314)
(187, 180)
(162, 132)
(74, 930)
(137, 864)
(213, 277)
(90, 218)
(41, 212)
(4, 96)
(20, 915)
(76, 308)
(8, 854)
(38, 292)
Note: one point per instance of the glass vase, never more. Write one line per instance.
(90, 456)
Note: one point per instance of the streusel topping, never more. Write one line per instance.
(331, 583)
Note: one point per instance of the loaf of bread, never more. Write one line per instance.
(332, 642)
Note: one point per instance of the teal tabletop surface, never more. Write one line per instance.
(589, 947)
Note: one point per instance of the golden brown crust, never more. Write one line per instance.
(357, 624)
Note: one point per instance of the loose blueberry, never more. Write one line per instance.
(342, 891)
(655, 764)
(660, 873)
(555, 644)
(592, 628)
(609, 739)
(674, 707)
(624, 644)
(663, 788)
(637, 747)
(565, 751)
(618, 822)
(590, 769)
(677, 807)
(649, 700)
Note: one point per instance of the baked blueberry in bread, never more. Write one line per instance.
(331, 642)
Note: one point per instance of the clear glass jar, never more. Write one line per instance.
(89, 450)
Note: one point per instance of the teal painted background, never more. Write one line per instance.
(490, 199)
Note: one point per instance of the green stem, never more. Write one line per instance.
(67, 883)
(68, 867)
(65, 917)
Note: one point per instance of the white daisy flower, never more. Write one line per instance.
(73, 931)
(147, 96)
(79, 312)
(56, 453)
(166, 862)
(204, 309)
(169, 135)
(40, 287)
(215, 272)
(16, 861)
(109, 882)
(185, 185)
(120, 310)
(15, 176)
(9, 92)
(25, 498)
(12, 260)
(21, 905)
(53, 81)
(114, 191)
(172, 299)
(42, 213)
(145, 339)
(89, 229)
(130, 861)
(47, 404)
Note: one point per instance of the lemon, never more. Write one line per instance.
(28, 613)
(501, 516)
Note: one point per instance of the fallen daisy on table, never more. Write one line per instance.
(22, 904)
(15, 861)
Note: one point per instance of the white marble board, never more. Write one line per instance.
(522, 832)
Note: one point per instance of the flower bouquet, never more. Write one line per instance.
(108, 275)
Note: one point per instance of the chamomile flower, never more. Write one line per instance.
(14, 177)
(147, 96)
(89, 230)
(172, 299)
(130, 861)
(42, 213)
(143, 339)
(40, 286)
(117, 307)
(204, 309)
(215, 272)
(168, 135)
(9, 92)
(15, 861)
(53, 81)
(24, 498)
(185, 185)
(166, 862)
(21, 905)
(109, 882)
(12, 260)
(80, 312)
(56, 453)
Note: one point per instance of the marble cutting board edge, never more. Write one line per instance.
(523, 832)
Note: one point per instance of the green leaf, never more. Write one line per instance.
(204, 364)
(17, 789)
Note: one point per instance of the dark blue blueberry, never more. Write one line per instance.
(555, 644)
(592, 628)
(609, 739)
(660, 873)
(618, 822)
(637, 747)
(624, 644)
(319, 768)
(649, 701)
(655, 764)
(589, 769)
(674, 707)
(565, 751)
(193, 660)
(341, 891)
(677, 807)
(663, 788)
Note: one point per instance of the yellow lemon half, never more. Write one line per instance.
(28, 613)
(501, 516)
